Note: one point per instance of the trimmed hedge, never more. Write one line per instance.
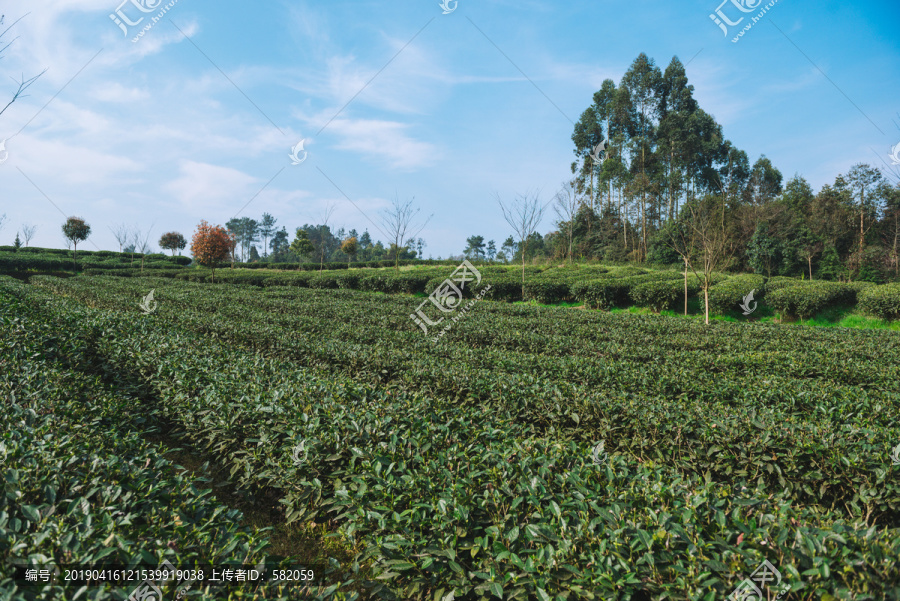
(781, 282)
(726, 296)
(342, 265)
(503, 288)
(41, 259)
(348, 280)
(546, 292)
(324, 280)
(859, 287)
(881, 301)
(669, 294)
(806, 300)
(614, 291)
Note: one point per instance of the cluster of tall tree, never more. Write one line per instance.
(314, 242)
(646, 152)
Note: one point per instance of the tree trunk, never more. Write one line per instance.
(74, 263)
(896, 236)
(706, 300)
(685, 285)
(643, 228)
(592, 189)
(810, 268)
(524, 248)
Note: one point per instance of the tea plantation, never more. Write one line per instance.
(468, 468)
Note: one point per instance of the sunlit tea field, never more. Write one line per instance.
(529, 453)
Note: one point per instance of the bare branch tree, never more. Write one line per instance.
(142, 243)
(122, 234)
(3, 221)
(701, 242)
(398, 221)
(23, 84)
(566, 207)
(524, 215)
(28, 231)
(324, 236)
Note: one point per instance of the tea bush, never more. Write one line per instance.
(615, 291)
(468, 466)
(83, 487)
(547, 292)
(726, 296)
(806, 300)
(882, 301)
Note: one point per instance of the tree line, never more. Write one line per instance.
(649, 159)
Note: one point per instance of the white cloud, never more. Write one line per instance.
(202, 188)
(383, 140)
(116, 92)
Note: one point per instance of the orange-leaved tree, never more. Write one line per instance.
(211, 245)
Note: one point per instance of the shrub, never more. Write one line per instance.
(602, 294)
(808, 299)
(858, 287)
(410, 283)
(612, 291)
(727, 296)
(348, 281)
(546, 292)
(781, 282)
(323, 280)
(300, 280)
(372, 283)
(663, 295)
(503, 288)
(625, 272)
(881, 301)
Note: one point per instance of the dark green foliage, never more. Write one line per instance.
(43, 259)
(547, 292)
(348, 280)
(448, 462)
(765, 252)
(614, 291)
(726, 296)
(323, 280)
(881, 301)
(809, 298)
(663, 295)
(779, 282)
(83, 486)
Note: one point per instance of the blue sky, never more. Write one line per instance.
(155, 134)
